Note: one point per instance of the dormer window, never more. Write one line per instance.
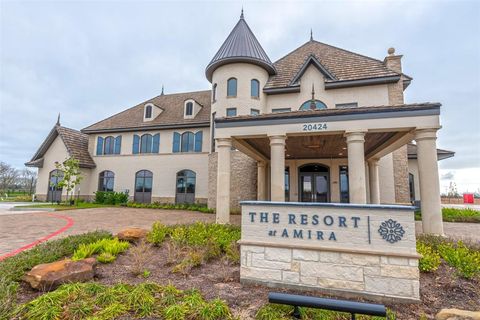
(148, 112)
(189, 109)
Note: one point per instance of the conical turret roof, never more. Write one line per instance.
(241, 45)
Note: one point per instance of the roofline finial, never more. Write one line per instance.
(313, 105)
(311, 34)
(58, 119)
(162, 91)
(241, 15)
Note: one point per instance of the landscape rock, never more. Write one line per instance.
(457, 314)
(49, 276)
(132, 234)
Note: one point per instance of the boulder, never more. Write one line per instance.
(49, 276)
(132, 234)
(457, 314)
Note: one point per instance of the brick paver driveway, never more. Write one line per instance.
(19, 229)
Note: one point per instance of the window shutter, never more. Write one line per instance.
(198, 141)
(156, 143)
(118, 145)
(136, 144)
(176, 142)
(99, 146)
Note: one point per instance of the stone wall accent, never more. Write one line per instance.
(400, 175)
(243, 179)
(332, 272)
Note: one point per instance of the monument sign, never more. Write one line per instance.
(347, 249)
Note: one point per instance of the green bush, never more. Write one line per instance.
(430, 260)
(96, 301)
(106, 248)
(465, 260)
(158, 233)
(12, 269)
(110, 197)
(169, 206)
(456, 215)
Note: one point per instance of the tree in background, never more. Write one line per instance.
(8, 177)
(72, 176)
(28, 180)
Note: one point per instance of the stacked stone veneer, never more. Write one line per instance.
(360, 261)
(243, 183)
(339, 273)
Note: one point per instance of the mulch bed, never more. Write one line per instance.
(442, 289)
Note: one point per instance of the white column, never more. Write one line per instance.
(277, 167)
(356, 166)
(224, 147)
(261, 181)
(429, 181)
(374, 181)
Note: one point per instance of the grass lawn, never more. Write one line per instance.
(62, 206)
(456, 215)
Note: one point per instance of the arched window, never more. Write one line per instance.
(307, 105)
(255, 88)
(146, 143)
(109, 144)
(189, 108)
(106, 181)
(143, 186)
(185, 187)
(148, 112)
(188, 141)
(232, 87)
(214, 92)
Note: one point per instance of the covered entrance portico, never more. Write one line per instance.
(330, 155)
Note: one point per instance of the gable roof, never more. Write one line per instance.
(241, 45)
(441, 154)
(171, 116)
(75, 142)
(342, 65)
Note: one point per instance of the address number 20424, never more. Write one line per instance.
(314, 126)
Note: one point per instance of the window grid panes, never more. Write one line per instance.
(108, 145)
(255, 88)
(106, 181)
(189, 109)
(344, 191)
(148, 112)
(254, 112)
(281, 110)
(231, 112)
(307, 105)
(232, 87)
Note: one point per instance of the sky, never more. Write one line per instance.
(90, 59)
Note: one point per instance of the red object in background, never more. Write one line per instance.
(468, 198)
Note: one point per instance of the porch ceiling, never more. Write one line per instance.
(318, 146)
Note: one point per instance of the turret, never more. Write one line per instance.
(238, 72)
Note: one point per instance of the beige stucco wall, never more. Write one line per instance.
(56, 152)
(244, 73)
(385, 173)
(364, 96)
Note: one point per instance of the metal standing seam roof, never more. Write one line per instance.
(241, 45)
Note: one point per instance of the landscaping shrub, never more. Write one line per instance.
(199, 243)
(96, 301)
(110, 197)
(12, 269)
(108, 249)
(456, 215)
(140, 255)
(465, 260)
(430, 260)
(169, 206)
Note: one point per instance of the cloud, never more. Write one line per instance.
(448, 176)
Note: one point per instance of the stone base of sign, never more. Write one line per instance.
(383, 278)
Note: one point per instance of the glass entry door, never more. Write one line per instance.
(314, 184)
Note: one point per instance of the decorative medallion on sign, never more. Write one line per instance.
(391, 231)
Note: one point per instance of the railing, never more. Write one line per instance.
(328, 304)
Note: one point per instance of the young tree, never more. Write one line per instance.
(72, 175)
(28, 180)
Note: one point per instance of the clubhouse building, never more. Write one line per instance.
(321, 124)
